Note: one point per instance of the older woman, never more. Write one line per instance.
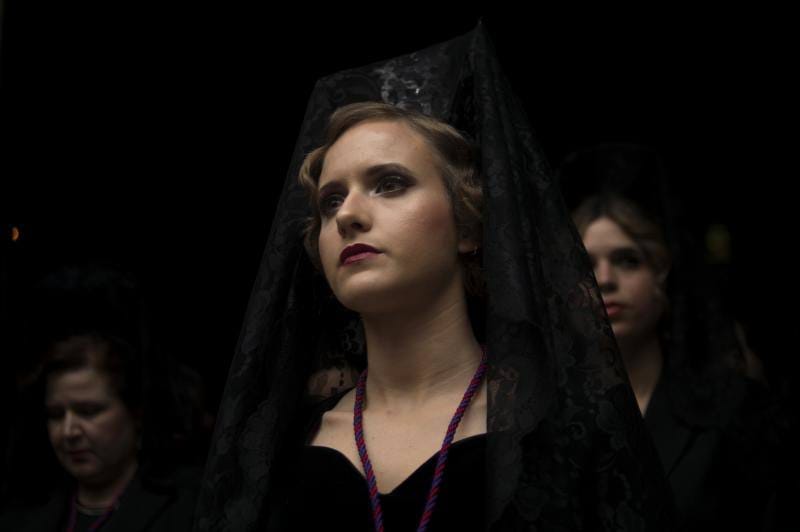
(93, 391)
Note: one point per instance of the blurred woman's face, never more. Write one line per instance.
(628, 285)
(93, 433)
(388, 238)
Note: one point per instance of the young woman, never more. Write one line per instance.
(391, 248)
(631, 263)
(490, 394)
(713, 427)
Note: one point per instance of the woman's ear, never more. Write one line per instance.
(661, 276)
(138, 418)
(467, 244)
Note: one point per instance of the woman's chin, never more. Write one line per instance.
(83, 472)
(371, 299)
(621, 331)
(367, 304)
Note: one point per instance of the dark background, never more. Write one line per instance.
(159, 139)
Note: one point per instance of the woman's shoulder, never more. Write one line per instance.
(718, 399)
(42, 516)
(334, 409)
(340, 401)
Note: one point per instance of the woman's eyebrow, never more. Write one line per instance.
(625, 250)
(87, 403)
(328, 186)
(370, 173)
(379, 169)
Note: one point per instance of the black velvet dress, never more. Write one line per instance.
(331, 494)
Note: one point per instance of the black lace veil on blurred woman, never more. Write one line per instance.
(566, 446)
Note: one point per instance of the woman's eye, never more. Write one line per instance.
(391, 184)
(54, 413)
(88, 411)
(330, 203)
(630, 262)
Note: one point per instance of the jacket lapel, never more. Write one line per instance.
(671, 437)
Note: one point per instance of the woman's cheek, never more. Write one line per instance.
(431, 220)
(327, 255)
(648, 300)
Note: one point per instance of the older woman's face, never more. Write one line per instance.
(388, 238)
(92, 432)
(628, 285)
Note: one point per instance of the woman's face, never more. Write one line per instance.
(629, 286)
(388, 238)
(92, 432)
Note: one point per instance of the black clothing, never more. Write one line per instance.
(722, 472)
(165, 504)
(566, 447)
(331, 494)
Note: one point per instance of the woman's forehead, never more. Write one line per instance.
(605, 233)
(78, 384)
(374, 143)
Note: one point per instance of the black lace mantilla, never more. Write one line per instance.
(567, 449)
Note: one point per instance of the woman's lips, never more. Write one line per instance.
(357, 253)
(358, 257)
(613, 310)
(79, 456)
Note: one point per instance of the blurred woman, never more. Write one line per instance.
(710, 422)
(91, 398)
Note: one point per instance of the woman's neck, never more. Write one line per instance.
(415, 356)
(102, 495)
(643, 361)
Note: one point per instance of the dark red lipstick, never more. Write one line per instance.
(356, 252)
(613, 309)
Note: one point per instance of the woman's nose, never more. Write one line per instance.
(606, 277)
(71, 425)
(353, 215)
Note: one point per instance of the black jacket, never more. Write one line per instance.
(163, 504)
(721, 468)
